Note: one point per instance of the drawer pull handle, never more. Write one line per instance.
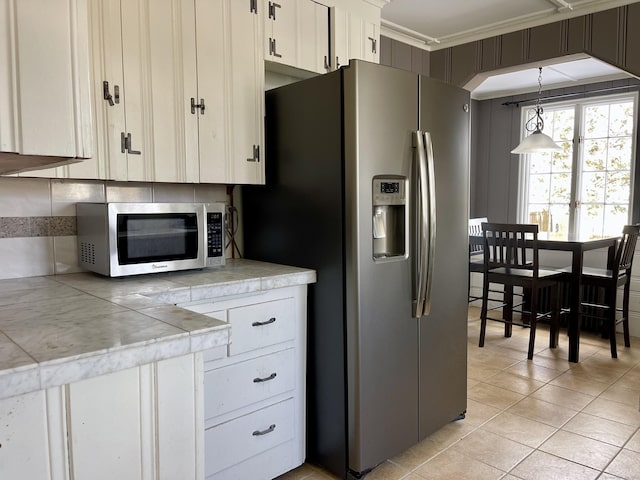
(271, 428)
(260, 324)
(264, 379)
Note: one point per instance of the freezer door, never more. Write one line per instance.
(381, 113)
(444, 114)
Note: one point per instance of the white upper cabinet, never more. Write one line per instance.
(313, 36)
(280, 18)
(354, 34)
(45, 97)
(296, 34)
(178, 90)
(139, 90)
(245, 87)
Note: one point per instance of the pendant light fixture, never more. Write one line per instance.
(536, 142)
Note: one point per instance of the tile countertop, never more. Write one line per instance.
(64, 328)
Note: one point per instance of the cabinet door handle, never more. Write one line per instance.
(272, 9)
(264, 379)
(253, 6)
(125, 144)
(262, 324)
(271, 428)
(337, 63)
(107, 95)
(272, 48)
(195, 105)
(374, 44)
(256, 154)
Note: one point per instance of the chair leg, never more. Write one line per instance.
(533, 320)
(555, 317)
(483, 311)
(625, 312)
(507, 310)
(611, 320)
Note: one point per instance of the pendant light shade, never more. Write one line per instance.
(537, 142)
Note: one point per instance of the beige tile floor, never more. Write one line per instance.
(542, 419)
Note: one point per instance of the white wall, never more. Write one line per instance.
(51, 249)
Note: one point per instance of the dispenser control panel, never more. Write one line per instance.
(389, 191)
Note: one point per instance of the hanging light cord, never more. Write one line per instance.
(536, 123)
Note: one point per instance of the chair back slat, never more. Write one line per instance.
(511, 246)
(475, 230)
(627, 247)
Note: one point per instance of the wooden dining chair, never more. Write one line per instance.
(607, 280)
(511, 259)
(476, 248)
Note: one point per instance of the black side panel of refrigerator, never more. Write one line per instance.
(297, 219)
(443, 333)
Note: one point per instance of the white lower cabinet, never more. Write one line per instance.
(254, 398)
(139, 423)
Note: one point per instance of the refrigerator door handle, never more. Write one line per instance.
(421, 200)
(431, 214)
(426, 222)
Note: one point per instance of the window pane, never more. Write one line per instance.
(539, 188)
(621, 123)
(559, 222)
(561, 188)
(594, 155)
(540, 163)
(593, 184)
(591, 221)
(619, 154)
(596, 121)
(615, 217)
(618, 187)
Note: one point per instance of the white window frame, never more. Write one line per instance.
(580, 104)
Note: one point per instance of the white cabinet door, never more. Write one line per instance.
(45, 98)
(363, 39)
(313, 36)
(246, 93)
(339, 38)
(212, 78)
(280, 33)
(33, 436)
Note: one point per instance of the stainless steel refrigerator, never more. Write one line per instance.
(367, 181)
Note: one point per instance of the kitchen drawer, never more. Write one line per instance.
(266, 465)
(260, 325)
(241, 384)
(244, 437)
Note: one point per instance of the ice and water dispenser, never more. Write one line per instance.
(389, 217)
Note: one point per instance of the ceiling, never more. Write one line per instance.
(436, 24)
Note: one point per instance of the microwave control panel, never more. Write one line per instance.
(215, 234)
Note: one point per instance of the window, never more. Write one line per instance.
(584, 190)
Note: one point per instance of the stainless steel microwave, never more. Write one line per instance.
(118, 239)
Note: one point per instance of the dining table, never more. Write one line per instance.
(577, 248)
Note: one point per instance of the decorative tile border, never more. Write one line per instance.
(22, 227)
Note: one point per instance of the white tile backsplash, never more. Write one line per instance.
(171, 192)
(129, 192)
(66, 193)
(65, 250)
(25, 197)
(26, 257)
